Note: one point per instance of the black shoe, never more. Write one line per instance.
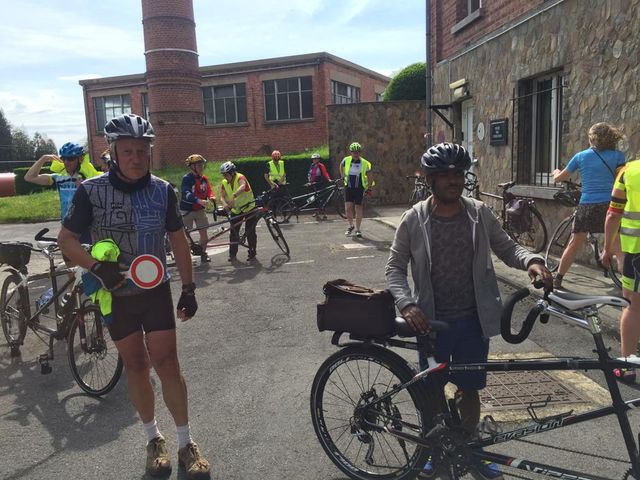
(251, 256)
(204, 258)
(232, 258)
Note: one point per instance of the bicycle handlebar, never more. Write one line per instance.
(41, 238)
(527, 325)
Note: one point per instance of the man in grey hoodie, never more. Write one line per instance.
(449, 238)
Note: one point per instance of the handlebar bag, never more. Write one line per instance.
(16, 254)
(356, 309)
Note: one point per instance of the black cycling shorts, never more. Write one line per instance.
(353, 195)
(149, 311)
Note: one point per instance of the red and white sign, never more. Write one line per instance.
(146, 271)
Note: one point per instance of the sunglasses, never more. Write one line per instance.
(70, 159)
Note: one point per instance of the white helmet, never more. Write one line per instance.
(227, 167)
(315, 155)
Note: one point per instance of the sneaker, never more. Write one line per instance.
(158, 463)
(358, 234)
(204, 258)
(193, 462)
(557, 280)
(349, 231)
(485, 470)
(625, 375)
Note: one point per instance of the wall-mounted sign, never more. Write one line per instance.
(499, 131)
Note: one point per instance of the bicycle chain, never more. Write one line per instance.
(569, 450)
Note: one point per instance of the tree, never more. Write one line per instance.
(42, 145)
(408, 84)
(6, 143)
(23, 147)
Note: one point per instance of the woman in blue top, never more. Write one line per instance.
(597, 166)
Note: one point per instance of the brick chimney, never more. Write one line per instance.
(176, 108)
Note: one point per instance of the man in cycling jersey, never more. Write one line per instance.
(196, 193)
(137, 210)
(449, 239)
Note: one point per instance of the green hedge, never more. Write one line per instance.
(408, 84)
(25, 188)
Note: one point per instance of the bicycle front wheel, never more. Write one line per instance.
(95, 363)
(557, 244)
(338, 202)
(282, 209)
(276, 233)
(352, 434)
(534, 238)
(15, 311)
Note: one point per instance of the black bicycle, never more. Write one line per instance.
(569, 196)
(323, 199)
(519, 216)
(376, 419)
(420, 189)
(93, 358)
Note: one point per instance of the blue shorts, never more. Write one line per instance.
(462, 342)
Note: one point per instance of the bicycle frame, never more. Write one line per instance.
(224, 226)
(321, 198)
(604, 363)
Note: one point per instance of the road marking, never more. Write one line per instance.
(301, 261)
(355, 246)
(362, 256)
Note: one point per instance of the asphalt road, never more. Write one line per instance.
(249, 357)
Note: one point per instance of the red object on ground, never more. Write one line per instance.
(7, 184)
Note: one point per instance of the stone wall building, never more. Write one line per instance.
(222, 111)
(524, 81)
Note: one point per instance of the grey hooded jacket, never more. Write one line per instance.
(412, 242)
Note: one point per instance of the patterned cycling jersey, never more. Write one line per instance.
(67, 186)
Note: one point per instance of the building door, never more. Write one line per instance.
(467, 126)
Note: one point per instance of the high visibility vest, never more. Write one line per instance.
(244, 202)
(366, 166)
(276, 172)
(87, 170)
(628, 180)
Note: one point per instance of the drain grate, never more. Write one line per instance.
(513, 390)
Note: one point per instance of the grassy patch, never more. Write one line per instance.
(39, 207)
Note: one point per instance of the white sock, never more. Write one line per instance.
(184, 435)
(152, 430)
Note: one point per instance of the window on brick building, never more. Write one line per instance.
(225, 104)
(467, 12)
(108, 107)
(379, 97)
(539, 116)
(343, 93)
(288, 99)
(145, 105)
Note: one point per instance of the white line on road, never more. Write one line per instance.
(355, 246)
(301, 261)
(362, 256)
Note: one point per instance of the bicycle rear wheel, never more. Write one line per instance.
(95, 363)
(338, 202)
(282, 209)
(352, 434)
(15, 311)
(276, 233)
(558, 243)
(534, 238)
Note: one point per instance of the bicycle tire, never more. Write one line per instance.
(558, 243)
(95, 365)
(614, 274)
(535, 238)
(276, 233)
(16, 311)
(344, 381)
(282, 209)
(338, 202)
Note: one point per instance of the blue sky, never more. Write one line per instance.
(46, 46)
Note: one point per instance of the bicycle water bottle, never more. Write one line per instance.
(44, 299)
(311, 199)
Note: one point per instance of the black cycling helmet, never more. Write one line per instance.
(128, 126)
(444, 157)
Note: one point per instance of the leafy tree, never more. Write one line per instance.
(408, 84)
(22, 145)
(6, 144)
(42, 145)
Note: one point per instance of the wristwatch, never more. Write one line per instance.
(189, 288)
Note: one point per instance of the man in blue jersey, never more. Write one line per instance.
(136, 210)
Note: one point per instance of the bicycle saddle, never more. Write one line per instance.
(576, 301)
(506, 185)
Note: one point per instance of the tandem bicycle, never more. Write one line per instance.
(321, 199)
(376, 419)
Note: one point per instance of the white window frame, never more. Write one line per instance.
(299, 91)
(123, 108)
(235, 97)
(352, 96)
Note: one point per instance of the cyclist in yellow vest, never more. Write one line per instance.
(275, 175)
(624, 216)
(237, 198)
(356, 172)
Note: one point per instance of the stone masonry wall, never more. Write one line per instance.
(391, 135)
